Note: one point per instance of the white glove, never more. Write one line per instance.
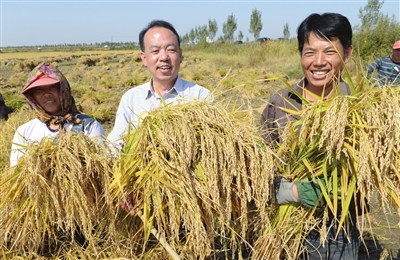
(283, 191)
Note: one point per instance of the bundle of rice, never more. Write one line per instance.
(197, 171)
(56, 192)
(7, 130)
(349, 145)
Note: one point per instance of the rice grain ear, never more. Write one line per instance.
(198, 167)
(355, 140)
(57, 186)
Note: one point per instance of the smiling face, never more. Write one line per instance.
(162, 56)
(321, 62)
(47, 98)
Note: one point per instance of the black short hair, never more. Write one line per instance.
(157, 23)
(326, 25)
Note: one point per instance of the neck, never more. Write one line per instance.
(162, 87)
(53, 127)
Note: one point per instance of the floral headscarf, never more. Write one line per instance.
(67, 102)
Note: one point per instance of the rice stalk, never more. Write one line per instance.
(7, 130)
(359, 136)
(198, 170)
(349, 146)
(56, 190)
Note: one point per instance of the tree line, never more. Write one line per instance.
(376, 33)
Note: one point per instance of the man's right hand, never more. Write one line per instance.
(129, 201)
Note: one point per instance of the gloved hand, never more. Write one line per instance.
(309, 193)
(284, 190)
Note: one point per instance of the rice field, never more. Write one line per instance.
(202, 192)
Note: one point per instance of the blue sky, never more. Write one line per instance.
(32, 22)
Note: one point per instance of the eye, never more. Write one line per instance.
(37, 91)
(308, 53)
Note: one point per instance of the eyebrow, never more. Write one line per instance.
(168, 45)
(326, 48)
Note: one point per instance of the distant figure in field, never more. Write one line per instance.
(387, 67)
(3, 109)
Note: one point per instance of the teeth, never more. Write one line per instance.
(319, 73)
(164, 67)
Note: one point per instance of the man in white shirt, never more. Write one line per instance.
(162, 55)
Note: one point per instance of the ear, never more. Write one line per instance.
(347, 54)
(143, 57)
(180, 55)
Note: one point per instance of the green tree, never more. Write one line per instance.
(229, 27)
(255, 23)
(286, 31)
(202, 33)
(212, 28)
(185, 38)
(240, 36)
(377, 32)
(370, 14)
(192, 35)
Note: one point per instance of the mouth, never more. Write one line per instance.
(320, 73)
(165, 67)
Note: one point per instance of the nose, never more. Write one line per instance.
(319, 58)
(164, 54)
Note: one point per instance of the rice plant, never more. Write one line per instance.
(200, 174)
(349, 146)
(56, 194)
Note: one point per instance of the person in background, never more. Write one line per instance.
(49, 94)
(387, 67)
(3, 109)
(323, 39)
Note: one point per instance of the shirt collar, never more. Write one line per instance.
(177, 89)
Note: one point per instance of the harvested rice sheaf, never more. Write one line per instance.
(352, 144)
(56, 190)
(198, 170)
(349, 145)
(359, 138)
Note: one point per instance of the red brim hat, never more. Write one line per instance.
(42, 80)
(396, 45)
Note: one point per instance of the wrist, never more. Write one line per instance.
(295, 192)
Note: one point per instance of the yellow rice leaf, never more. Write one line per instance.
(163, 181)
